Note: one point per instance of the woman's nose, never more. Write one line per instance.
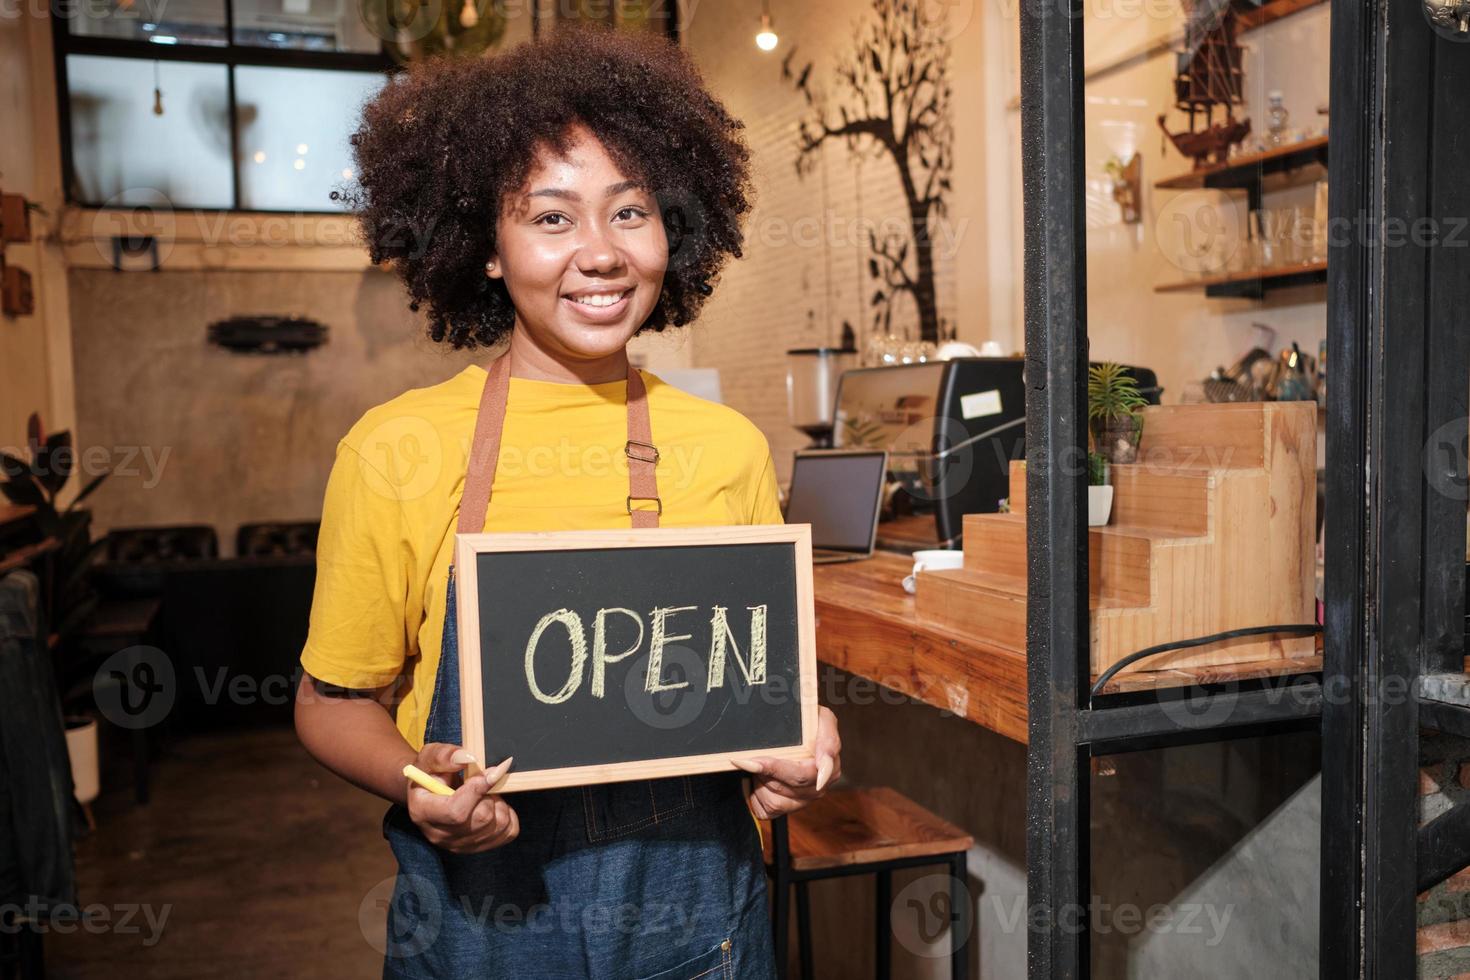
(598, 253)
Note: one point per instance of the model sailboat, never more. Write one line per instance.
(1209, 82)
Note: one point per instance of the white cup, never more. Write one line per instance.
(932, 560)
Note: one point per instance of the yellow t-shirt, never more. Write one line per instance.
(392, 504)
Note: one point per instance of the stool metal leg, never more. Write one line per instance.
(882, 923)
(804, 930)
(781, 897)
(960, 915)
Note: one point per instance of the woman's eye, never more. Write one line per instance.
(546, 219)
(633, 212)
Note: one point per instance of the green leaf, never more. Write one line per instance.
(86, 492)
(25, 492)
(54, 462)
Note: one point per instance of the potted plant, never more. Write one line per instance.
(1114, 412)
(1099, 490)
(38, 482)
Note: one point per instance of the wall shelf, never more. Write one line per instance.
(1253, 283)
(1251, 18)
(1247, 171)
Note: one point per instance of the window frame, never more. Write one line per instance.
(229, 54)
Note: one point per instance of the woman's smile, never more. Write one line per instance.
(599, 304)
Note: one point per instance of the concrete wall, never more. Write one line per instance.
(35, 350)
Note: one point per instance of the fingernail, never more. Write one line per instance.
(462, 757)
(824, 771)
(745, 764)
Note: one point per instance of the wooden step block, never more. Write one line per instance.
(984, 604)
(974, 604)
(1119, 558)
(1017, 498)
(1214, 436)
(1176, 501)
(1160, 498)
(861, 826)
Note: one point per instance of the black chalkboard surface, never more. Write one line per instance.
(598, 656)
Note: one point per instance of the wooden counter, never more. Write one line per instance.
(866, 625)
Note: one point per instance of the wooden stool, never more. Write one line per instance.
(861, 831)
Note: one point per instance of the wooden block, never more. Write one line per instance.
(1161, 499)
(1196, 437)
(1212, 530)
(1118, 557)
(974, 604)
(16, 297)
(1018, 486)
(15, 218)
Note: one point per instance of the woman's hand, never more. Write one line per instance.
(780, 786)
(473, 819)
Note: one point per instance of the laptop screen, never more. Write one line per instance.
(837, 494)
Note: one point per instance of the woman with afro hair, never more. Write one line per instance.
(544, 205)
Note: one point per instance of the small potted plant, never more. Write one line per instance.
(1099, 491)
(1114, 412)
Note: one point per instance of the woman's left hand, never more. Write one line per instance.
(780, 786)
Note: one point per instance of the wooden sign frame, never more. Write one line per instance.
(472, 710)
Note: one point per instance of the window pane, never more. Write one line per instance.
(294, 125)
(125, 153)
(306, 25)
(174, 22)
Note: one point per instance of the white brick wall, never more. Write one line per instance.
(805, 265)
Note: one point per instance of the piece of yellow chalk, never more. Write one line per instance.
(433, 784)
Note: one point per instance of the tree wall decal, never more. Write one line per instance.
(892, 99)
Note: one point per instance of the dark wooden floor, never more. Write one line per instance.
(264, 865)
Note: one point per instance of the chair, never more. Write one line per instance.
(138, 557)
(256, 540)
(860, 831)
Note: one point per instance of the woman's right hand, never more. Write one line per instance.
(473, 819)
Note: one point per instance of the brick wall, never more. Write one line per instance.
(805, 266)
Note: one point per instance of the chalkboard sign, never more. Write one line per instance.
(599, 656)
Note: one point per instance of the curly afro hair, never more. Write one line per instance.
(444, 140)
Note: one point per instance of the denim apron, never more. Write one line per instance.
(654, 879)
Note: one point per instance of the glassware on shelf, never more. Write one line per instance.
(1265, 232)
(1320, 223)
(1277, 117)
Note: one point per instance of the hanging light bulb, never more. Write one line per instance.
(468, 16)
(766, 38)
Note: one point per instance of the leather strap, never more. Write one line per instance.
(485, 451)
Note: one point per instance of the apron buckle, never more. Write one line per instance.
(628, 451)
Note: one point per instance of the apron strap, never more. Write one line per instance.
(485, 451)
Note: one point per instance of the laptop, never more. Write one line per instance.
(839, 493)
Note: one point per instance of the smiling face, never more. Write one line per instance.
(583, 253)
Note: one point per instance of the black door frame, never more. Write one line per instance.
(1398, 375)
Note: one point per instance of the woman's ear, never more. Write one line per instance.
(492, 269)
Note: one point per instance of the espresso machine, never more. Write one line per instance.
(951, 429)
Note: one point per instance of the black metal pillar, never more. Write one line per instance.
(1057, 835)
(1399, 364)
